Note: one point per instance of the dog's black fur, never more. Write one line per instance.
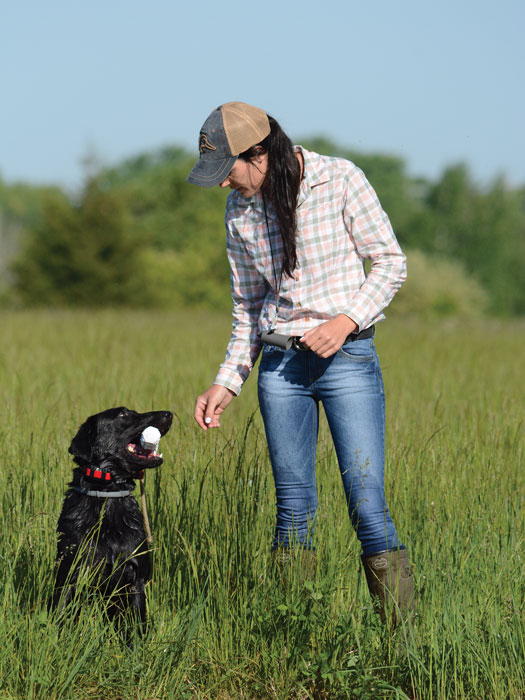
(103, 534)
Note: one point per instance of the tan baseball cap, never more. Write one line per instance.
(230, 129)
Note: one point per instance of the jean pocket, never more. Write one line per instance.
(268, 350)
(358, 350)
(271, 358)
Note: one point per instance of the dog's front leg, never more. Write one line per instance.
(139, 603)
(65, 584)
(127, 609)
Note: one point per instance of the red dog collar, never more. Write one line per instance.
(98, 474)
(104, 475)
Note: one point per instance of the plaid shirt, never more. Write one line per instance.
(339, 223)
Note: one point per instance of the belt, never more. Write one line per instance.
(362, 335)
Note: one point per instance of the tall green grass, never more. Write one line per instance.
(224, 622)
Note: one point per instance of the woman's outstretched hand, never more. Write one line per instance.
(326, 339)
(211, 404)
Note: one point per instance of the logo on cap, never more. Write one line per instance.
(204, 143)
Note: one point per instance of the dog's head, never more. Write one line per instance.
(112, 439)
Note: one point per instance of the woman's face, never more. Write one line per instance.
(247, 176)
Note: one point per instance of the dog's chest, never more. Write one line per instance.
(114, 524)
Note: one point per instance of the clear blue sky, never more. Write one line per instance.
(434, 82)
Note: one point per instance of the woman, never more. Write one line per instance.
(299, 226)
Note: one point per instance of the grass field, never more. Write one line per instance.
(224, 625)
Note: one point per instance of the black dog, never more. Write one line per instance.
(100, 527)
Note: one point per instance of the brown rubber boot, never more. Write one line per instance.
(389, 579)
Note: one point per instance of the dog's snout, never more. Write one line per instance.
(162, 420)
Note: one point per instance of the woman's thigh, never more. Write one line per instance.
(291, 419)
(352, 393)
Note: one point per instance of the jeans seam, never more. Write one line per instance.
(379, 377)
(313, 454)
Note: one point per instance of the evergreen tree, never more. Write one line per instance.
(80, 255)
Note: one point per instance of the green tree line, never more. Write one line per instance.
(138, 235)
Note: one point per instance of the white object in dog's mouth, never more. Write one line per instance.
(150, 438)
(149, 444)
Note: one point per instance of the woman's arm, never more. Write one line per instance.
(369, 227)
(248, 290)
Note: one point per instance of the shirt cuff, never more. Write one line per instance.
(231, 380)
(361, 322)
(351, 317)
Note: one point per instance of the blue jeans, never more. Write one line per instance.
(349, 384)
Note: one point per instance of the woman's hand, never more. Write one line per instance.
(211, 404)
(326, 339)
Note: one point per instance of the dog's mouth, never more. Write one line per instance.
(137, 450)
(147, 445)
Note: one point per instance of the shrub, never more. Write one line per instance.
(438, 287)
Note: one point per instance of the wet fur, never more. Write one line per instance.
(106, 535)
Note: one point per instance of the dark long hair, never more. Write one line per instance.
(281, 187)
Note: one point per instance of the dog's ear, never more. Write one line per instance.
(84, 441)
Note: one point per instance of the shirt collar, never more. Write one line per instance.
(315, 173)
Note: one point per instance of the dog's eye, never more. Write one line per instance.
(123, 414)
